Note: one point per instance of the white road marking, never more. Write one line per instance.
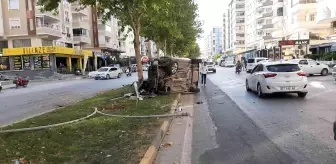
(187, 143)
(319, 94)
(317, 84)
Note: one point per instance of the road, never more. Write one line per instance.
(22, 103)
(235, 126)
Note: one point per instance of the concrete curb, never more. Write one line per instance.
(152, 151)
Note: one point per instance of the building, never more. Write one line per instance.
(225, 34)
(258, 25)
(296, 20)
(213, 42)
(236, 25)
(33, 41)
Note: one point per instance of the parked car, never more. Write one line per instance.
(106, 73)
(229, 63)
(145, 67)
(312, 67)
(134, 68)
(211, 67)
(277, 77)
(251, 63)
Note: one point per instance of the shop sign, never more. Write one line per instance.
(44, 50)
(293, 42)
(39, 50)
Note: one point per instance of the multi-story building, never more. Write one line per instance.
(326, 14)
(213, 43)
(258, 25)
(225, 28)
(296, 20)
(236, 25)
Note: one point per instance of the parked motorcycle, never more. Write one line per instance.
(21, 82)
(78, 72)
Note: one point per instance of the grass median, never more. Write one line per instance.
(98, 140)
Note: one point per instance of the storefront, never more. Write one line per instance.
(43, 58)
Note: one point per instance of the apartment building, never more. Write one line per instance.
(213, 42)
(74, 37)
(326, 14)
(236, 25)
(258, 25)
(296, 20)
(225, 28)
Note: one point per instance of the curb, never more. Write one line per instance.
(153, 149)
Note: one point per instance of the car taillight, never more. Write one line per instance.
(267, 75)
(301, 74)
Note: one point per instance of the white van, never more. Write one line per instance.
(251, 63)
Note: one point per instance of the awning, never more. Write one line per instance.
(321, 45)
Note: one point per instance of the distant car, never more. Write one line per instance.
(251, 63)
(211, 67)
(106, 73)
(277, 77)
(312, 67)
(134, 68)
(229, 63)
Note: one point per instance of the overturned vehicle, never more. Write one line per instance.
(168, 74)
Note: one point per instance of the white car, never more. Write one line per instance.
(106, 73)
(251, 63)
(277, 77)
(312, 67)
(229, 63)
(211, 67)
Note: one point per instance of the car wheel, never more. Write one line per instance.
(214, 71)
(247, 86)
(259, 91)
(302, 94)
(119, 75)
(324, 72)
(107, 76)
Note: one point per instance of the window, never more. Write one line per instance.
(41, 62)
(13, 4)
(283, 68)
(312, 17)
(17, 62)
(21, 43)
(46, 42)
(14, 23)
(67, 17)
(280, 11)
(303, 62)
(4, 63)
(250, 61)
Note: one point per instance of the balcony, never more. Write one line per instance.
(77, 9)
(267, 26)
(47, 15)
(48, 31)
(268, 14)
(104, 32)
(79, 38)
(81, 24)
(267, 37)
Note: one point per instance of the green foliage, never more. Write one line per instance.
(172, 24)
(216, 57)
(194, 52)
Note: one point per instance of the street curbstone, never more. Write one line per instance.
(152, 151)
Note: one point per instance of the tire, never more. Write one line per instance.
(119, 75)
(108, 77)
(302, 94)
(214, 71)
(324, 72)
(247, 87)
(259, 91)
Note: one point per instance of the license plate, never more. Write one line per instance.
(287, 88)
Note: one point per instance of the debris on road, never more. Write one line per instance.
(168, 144)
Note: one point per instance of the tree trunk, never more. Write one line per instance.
(136, 31)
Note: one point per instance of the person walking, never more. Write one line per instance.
(203, 70)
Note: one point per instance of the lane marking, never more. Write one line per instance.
(319, 94)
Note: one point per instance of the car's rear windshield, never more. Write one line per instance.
(250, 61)
(258, 60)
(283, 68)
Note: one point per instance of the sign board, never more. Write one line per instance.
(293, 42)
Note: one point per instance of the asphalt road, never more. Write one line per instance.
(22, 103)
(278, 129)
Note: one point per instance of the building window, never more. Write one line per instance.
(4, 63)
(13, 4)
(14, 23)
(67, 19)
(41, 62)
(280, 11)
(310, 17)
(21, 43)
(46, 42)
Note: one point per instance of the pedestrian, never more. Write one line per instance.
(203, 70)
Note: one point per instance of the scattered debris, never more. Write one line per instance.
(168, 144)
(199, 102)
(108, 156)
(179, 109)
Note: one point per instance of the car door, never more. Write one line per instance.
(112, 72)
(254, 77)
(316, 68)
(303, 64)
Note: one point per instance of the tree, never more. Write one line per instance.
(194, 52)
(160, 20)
(217, 56)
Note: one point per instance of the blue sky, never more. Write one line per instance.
(210, 12)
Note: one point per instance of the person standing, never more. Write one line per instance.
(203, 71)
